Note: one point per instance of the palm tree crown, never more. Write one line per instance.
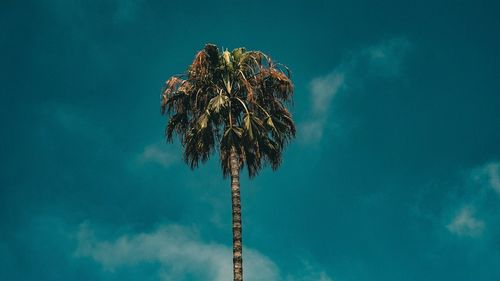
(230, 101)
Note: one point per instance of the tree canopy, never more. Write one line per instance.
(230, 100)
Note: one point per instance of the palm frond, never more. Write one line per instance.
(230, 100)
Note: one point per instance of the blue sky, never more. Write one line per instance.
(394, 175)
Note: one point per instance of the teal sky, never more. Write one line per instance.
(394, 175)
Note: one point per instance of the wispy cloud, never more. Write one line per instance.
(179, 252)
(309, 273)
(383, 60)
(466, 224)
(469, 208)
(493, 171)
(158, 154)
(470, 214)
(386, 59)
(488, 176)
(311, 130)
(324, 89)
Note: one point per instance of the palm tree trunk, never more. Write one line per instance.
(236, 206)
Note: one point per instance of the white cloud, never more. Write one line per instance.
(465, 224)
(487, 176)
(474, 215)
(180, 252)
(384, 60)
(470, 207)
(309, 273)
(493, 170)
(312, 276)
(157, 153)
(311, 131)
(324, 89)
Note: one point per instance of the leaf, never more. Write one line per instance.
(203, 121)
(233, 130)
(248, 125)
(247, 85)
(270, 124)
(237, 54)
(218, 102)
(227, 60)
(238, 131)
(256, 122)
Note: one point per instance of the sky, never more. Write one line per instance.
(394, 174)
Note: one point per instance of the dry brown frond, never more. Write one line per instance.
(200, 67)
(171, 86)
(248, 87)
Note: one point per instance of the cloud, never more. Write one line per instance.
(479, 184)
(309, 273)
(312, 276)
(493, 170)
(311, 130)
(323, 90)
(487, 176)
(386, 59)
(158, 154)
(382, 60)
(469, 208)
(465, 224)
(180, 253)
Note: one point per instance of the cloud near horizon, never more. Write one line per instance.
(179, 253)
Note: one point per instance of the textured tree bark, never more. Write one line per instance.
(236, 206)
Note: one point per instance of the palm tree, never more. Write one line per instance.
(232, 103)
